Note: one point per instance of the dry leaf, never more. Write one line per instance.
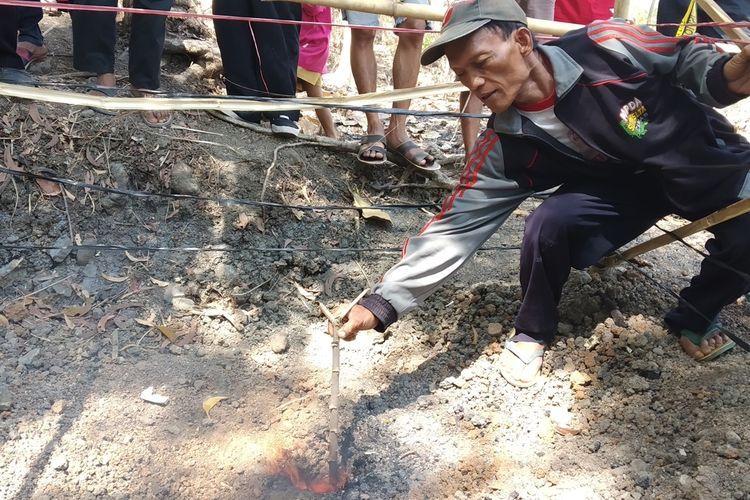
(242, 221)
(69, 322)
(369, 213)
(147, 322)
(78, 310)
(101, 325)
(49, 188)
(159, 283)
(135, 259)
(305, 293)
(211, 402)
(167, 332)
(34, 114)
(115, 279)
(93, 159)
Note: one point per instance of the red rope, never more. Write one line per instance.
(195, 15)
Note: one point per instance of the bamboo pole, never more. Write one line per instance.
(208, 103)
(333, 405)
(716, 13)
(429, 13)
(734, 210)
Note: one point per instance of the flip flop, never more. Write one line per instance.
(516, 375)
(403, 156)
(367, 144)
(108, 92)
(696, 339)
(150, 94)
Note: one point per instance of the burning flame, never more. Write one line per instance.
(303, 481)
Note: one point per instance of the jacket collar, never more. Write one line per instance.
(566, 73)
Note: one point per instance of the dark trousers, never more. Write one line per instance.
(582, 223)
(672, 11)
(28, 26)
(94, 36)
(260, 59)
(8, 34)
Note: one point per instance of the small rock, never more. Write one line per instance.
(148, 395)
(59, 463)
(58, 406)
(639, 465)
(607, 337)
(579, 378)
(733, 438)
(6, 402)
(90, 270)
(199, 384)
(146, 420)
(175, 349)
(85, 255)
(495, 329)
(183, 304)
(728, 451)
(564, 328)
(618, 318)
(27, 358)
(183, 181)
(63, 246)
(279, 343)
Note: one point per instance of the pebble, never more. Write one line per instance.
(63, 246)
(733, 438)
(579, 378)
(183, 181)
(58, 406)
(59, 463)
(728, 451)
(279, 343)
(27, 358)
(85, 255)
(6, 401)
(146, 420)
(199, 384)
(495, 329)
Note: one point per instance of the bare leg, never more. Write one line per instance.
(469, 126)
(324, 114)
(405, 74)
(365, 71)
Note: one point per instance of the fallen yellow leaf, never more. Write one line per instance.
(369, 213)
(167, 332)
(211, 402)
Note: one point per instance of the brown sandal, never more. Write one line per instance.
(404, 155)
(368, 145)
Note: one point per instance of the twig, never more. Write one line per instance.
(273, 164)
(67, 216)
(284, 405)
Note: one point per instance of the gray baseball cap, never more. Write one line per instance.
(465, 17)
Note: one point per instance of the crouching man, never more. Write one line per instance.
(620, 117)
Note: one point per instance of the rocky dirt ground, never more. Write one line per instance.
(622, 414)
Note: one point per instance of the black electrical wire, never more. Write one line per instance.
(220, 201)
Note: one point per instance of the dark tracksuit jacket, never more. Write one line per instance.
(642, 100)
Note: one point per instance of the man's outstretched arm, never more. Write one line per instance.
(480, 204)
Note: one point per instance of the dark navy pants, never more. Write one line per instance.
(583, 222)
(8, 33)
(28, 26)
(94, 37)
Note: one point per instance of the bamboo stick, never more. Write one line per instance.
(429, 13)
(333, 405)
(716, 13)
(734, 210)
(208, 103)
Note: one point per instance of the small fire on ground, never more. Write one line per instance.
(303, 480)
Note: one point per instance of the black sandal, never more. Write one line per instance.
(368, 145)
(402, 156)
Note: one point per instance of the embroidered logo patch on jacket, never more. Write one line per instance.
(634, 118)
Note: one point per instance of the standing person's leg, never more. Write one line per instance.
(94, 39)
(324, 114)
(238, 55)
(405, 74)
(30, 39)
(365, 72)
(575, 227)
(278, 47)
(146, 47)
(8, 34)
